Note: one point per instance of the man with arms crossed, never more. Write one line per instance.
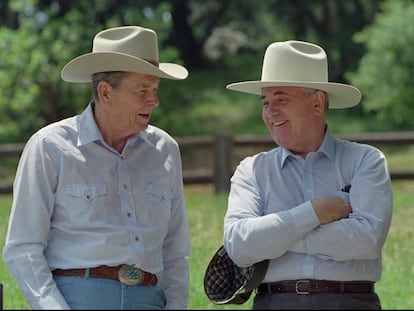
(317, 206)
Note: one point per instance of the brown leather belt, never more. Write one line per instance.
(304, 287)
(126, 274)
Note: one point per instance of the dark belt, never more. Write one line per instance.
(304, 287)
(126, 274)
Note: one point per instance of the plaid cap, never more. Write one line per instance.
(225, 282)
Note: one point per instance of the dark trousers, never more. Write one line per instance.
(320, 301)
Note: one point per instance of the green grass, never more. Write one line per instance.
(206, 211)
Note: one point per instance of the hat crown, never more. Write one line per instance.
(125, 48)
(299, 64)
(128, 40)
(295, 61)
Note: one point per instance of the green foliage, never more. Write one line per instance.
(31, 57)
(218, 41)
(385, 72)
(29, 75)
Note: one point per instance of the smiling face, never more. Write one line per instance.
(295, 117)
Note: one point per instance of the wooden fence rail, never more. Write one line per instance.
(212, 159)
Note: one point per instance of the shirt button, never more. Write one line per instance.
(125, 186)
(88, 196)
(136, 239)
(129, 214)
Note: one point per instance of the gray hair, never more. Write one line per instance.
(112, 77)
(310, 92)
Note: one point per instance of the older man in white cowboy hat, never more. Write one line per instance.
(98, 218)
(317, 206)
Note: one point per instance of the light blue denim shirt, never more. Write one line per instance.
(270, 215)
(78, 203)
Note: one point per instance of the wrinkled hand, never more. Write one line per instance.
(332, 208)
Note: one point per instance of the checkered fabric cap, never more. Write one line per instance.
(225, 282)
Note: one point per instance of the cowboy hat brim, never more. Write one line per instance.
(340, 95)
(83, 67)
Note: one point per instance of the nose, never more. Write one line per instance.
(153, 100)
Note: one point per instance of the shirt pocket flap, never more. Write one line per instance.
(161, 192)
(85, 191)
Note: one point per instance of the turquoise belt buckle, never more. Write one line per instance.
(130, 275)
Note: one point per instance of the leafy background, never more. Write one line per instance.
(368, 45)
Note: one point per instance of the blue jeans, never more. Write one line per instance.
(93, 293)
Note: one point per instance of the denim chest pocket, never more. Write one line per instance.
(86, 192)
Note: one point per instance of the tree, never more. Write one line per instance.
(385, 73)
(38, 37)
(42, 35)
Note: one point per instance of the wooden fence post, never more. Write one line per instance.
(223, 145)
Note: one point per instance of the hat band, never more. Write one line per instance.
(152, 62)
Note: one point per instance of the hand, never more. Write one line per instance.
(332, 208)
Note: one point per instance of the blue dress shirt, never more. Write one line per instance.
(270, 215)
(78, 203)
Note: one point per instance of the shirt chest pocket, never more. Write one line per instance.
(159, 203)
(85, 193)
(86, 204)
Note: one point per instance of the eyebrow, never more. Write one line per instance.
(147, 84)
(275, 94)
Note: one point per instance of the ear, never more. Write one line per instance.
(103, 90)
(319, 102)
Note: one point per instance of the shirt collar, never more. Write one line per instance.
(89, 131)
(146, 135)
(327, 148)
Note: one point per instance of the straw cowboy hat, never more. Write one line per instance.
(300, 64)
(126, 48)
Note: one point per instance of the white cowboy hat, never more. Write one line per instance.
(126, 48)
(301, 64)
